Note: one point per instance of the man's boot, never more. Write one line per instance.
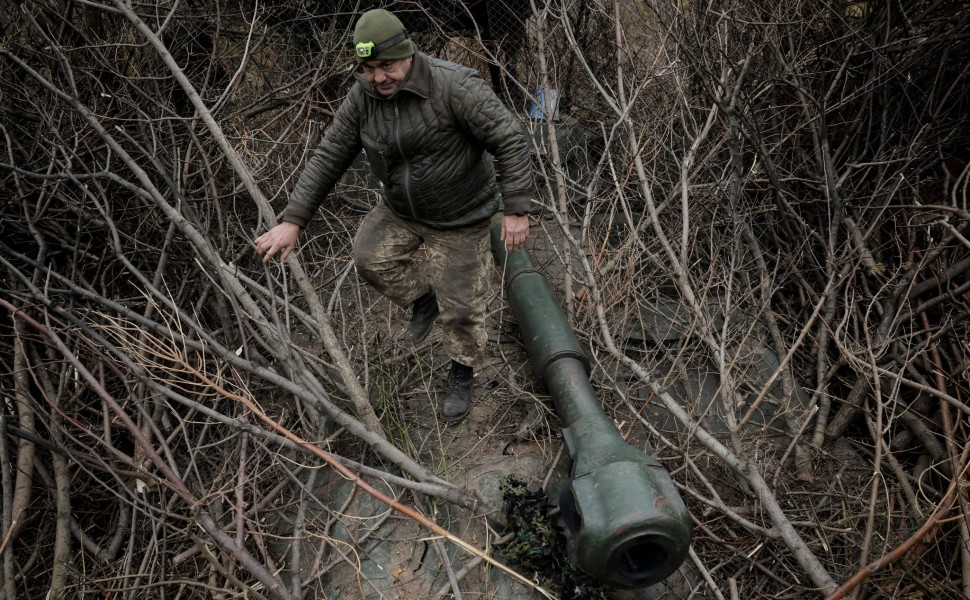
(423, 313)
(459, 399)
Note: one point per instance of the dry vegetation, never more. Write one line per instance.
(786, 181)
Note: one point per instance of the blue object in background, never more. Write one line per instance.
(544, 104)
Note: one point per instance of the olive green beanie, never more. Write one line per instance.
(374, 37)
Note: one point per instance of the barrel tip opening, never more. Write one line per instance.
(636, 562)
(641, 561)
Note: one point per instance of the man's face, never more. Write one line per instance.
(387, 75)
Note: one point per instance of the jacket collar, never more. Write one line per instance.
(417, 83)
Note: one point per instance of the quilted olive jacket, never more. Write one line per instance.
(425, 144)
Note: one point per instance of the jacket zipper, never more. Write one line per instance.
(407, 164)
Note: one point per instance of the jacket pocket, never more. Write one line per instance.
(376, 155)
(377, 164)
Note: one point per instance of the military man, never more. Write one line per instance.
(424, 125)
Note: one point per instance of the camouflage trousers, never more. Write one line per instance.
(459, 265)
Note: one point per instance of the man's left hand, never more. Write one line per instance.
(515, 230)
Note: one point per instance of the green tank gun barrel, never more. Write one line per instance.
(625, 521)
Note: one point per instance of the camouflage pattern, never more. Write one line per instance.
(459, 268)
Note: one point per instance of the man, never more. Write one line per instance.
(424, 125)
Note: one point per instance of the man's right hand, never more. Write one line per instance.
(281, 238)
